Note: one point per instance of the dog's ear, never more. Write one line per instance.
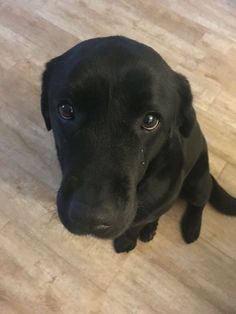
(186, 116)
(45, 91)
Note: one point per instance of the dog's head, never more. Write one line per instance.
(112, 104)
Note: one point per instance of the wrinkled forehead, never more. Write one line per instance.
(100, 86)
(125, 78)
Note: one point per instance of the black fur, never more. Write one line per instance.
(119, 178)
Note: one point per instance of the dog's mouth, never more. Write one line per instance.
(106, 219)
(102, 232)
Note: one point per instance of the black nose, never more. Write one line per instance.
(90, 219)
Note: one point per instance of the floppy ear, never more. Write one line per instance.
(44, 97)
(186, 117)
(44, 94)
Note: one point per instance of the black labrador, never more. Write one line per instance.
(128, 142)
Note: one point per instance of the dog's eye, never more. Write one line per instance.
(151, 121)
(66, 111)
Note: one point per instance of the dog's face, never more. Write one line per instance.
(112, 104)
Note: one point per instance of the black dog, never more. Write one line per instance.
(128, 142)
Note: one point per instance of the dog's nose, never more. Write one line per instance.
(90, 219)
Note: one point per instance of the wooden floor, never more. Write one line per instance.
(44, 269)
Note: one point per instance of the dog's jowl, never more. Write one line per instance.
(128, 142)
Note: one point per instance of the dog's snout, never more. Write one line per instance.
(89, 208)
(92, 218)
(88, 219)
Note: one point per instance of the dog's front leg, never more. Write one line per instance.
(128, 240)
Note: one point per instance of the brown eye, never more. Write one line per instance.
(151, 121)
(66, 111)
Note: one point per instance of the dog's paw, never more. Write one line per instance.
(148, 232)
(191, 226)
(124, 244)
